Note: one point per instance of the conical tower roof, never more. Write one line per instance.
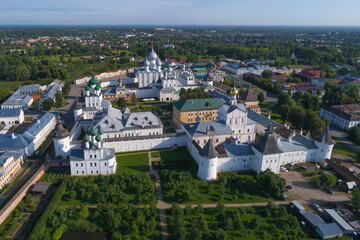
(326, 136)
(248, 96)
(209, 150)
(267, 143)
(61, 132)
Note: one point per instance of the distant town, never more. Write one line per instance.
(179, 133)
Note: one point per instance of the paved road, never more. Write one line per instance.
(341, 135)
(303, 192)
(66, 112)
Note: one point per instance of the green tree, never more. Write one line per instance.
(261, 97)
(35, 104)
(122, 103)
(270, 183)
(58, 100)
(328, 179)
(297, 96)
(355, 199)
(48, 104)
(267, 74)
(354, 133)
(284, 98)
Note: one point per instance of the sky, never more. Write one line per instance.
(181, 12)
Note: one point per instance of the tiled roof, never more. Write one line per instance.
(348, 112)
(248, 96)
(267, 143)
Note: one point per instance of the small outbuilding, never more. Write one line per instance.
(346, 228)
(41, 188)
(348, 186)
(330, 230)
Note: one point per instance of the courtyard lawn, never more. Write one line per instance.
(170, 130)
(275, 114)
(133, 163)
(264, 105)
(179, 154)
(341, 150)
(191, 191)
(155, 154)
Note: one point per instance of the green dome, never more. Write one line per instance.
(98, 138)
(86, 138)
(93, 131)
(87, 88)
(92, 81)
(98, 86)
(100, 131)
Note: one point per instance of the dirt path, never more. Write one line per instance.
(161, 205)
(341, 135)
(303, 192)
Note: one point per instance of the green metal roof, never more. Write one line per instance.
(199, 104)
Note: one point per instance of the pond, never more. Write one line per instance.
(85, 236)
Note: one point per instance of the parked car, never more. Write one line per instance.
(330, 191)
(284, 169)
(312, 174)
(317, 207)
(288, 187)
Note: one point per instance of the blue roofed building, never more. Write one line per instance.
(11, 116)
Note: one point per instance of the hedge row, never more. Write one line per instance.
(40, 226)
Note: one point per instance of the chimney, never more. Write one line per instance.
(13, 135)
(269, 116)
(308, 135)
(278, 139)
(301, 132)
(291, 136)
(249, 140)
(208, 130)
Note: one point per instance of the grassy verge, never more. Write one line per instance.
(133, 163)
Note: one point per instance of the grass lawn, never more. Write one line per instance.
(175, 155)
(133, 163)
(170, 130)
(166, 124)
(155, 154)
(341, 150)
(275, 114)
(209, 192)
(264, 105)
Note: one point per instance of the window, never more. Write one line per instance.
(90, 156)
(95, 157)
(104, 164)
(90, 164)
(76, 164)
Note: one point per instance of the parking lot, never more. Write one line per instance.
(303, 192)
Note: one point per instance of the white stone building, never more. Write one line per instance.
(10, 117)
(93, 158)
(343, 116)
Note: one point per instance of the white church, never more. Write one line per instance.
(227, 144)
(165, 85)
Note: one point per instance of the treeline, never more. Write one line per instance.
(193, 93)
(335, 94)
(300, 113)
(121, 188)
(178, 186)
(263, 83)
(222, 223)
(39, 228)
(126, 222)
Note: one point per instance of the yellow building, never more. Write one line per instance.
(189, 111)
(10, 164)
